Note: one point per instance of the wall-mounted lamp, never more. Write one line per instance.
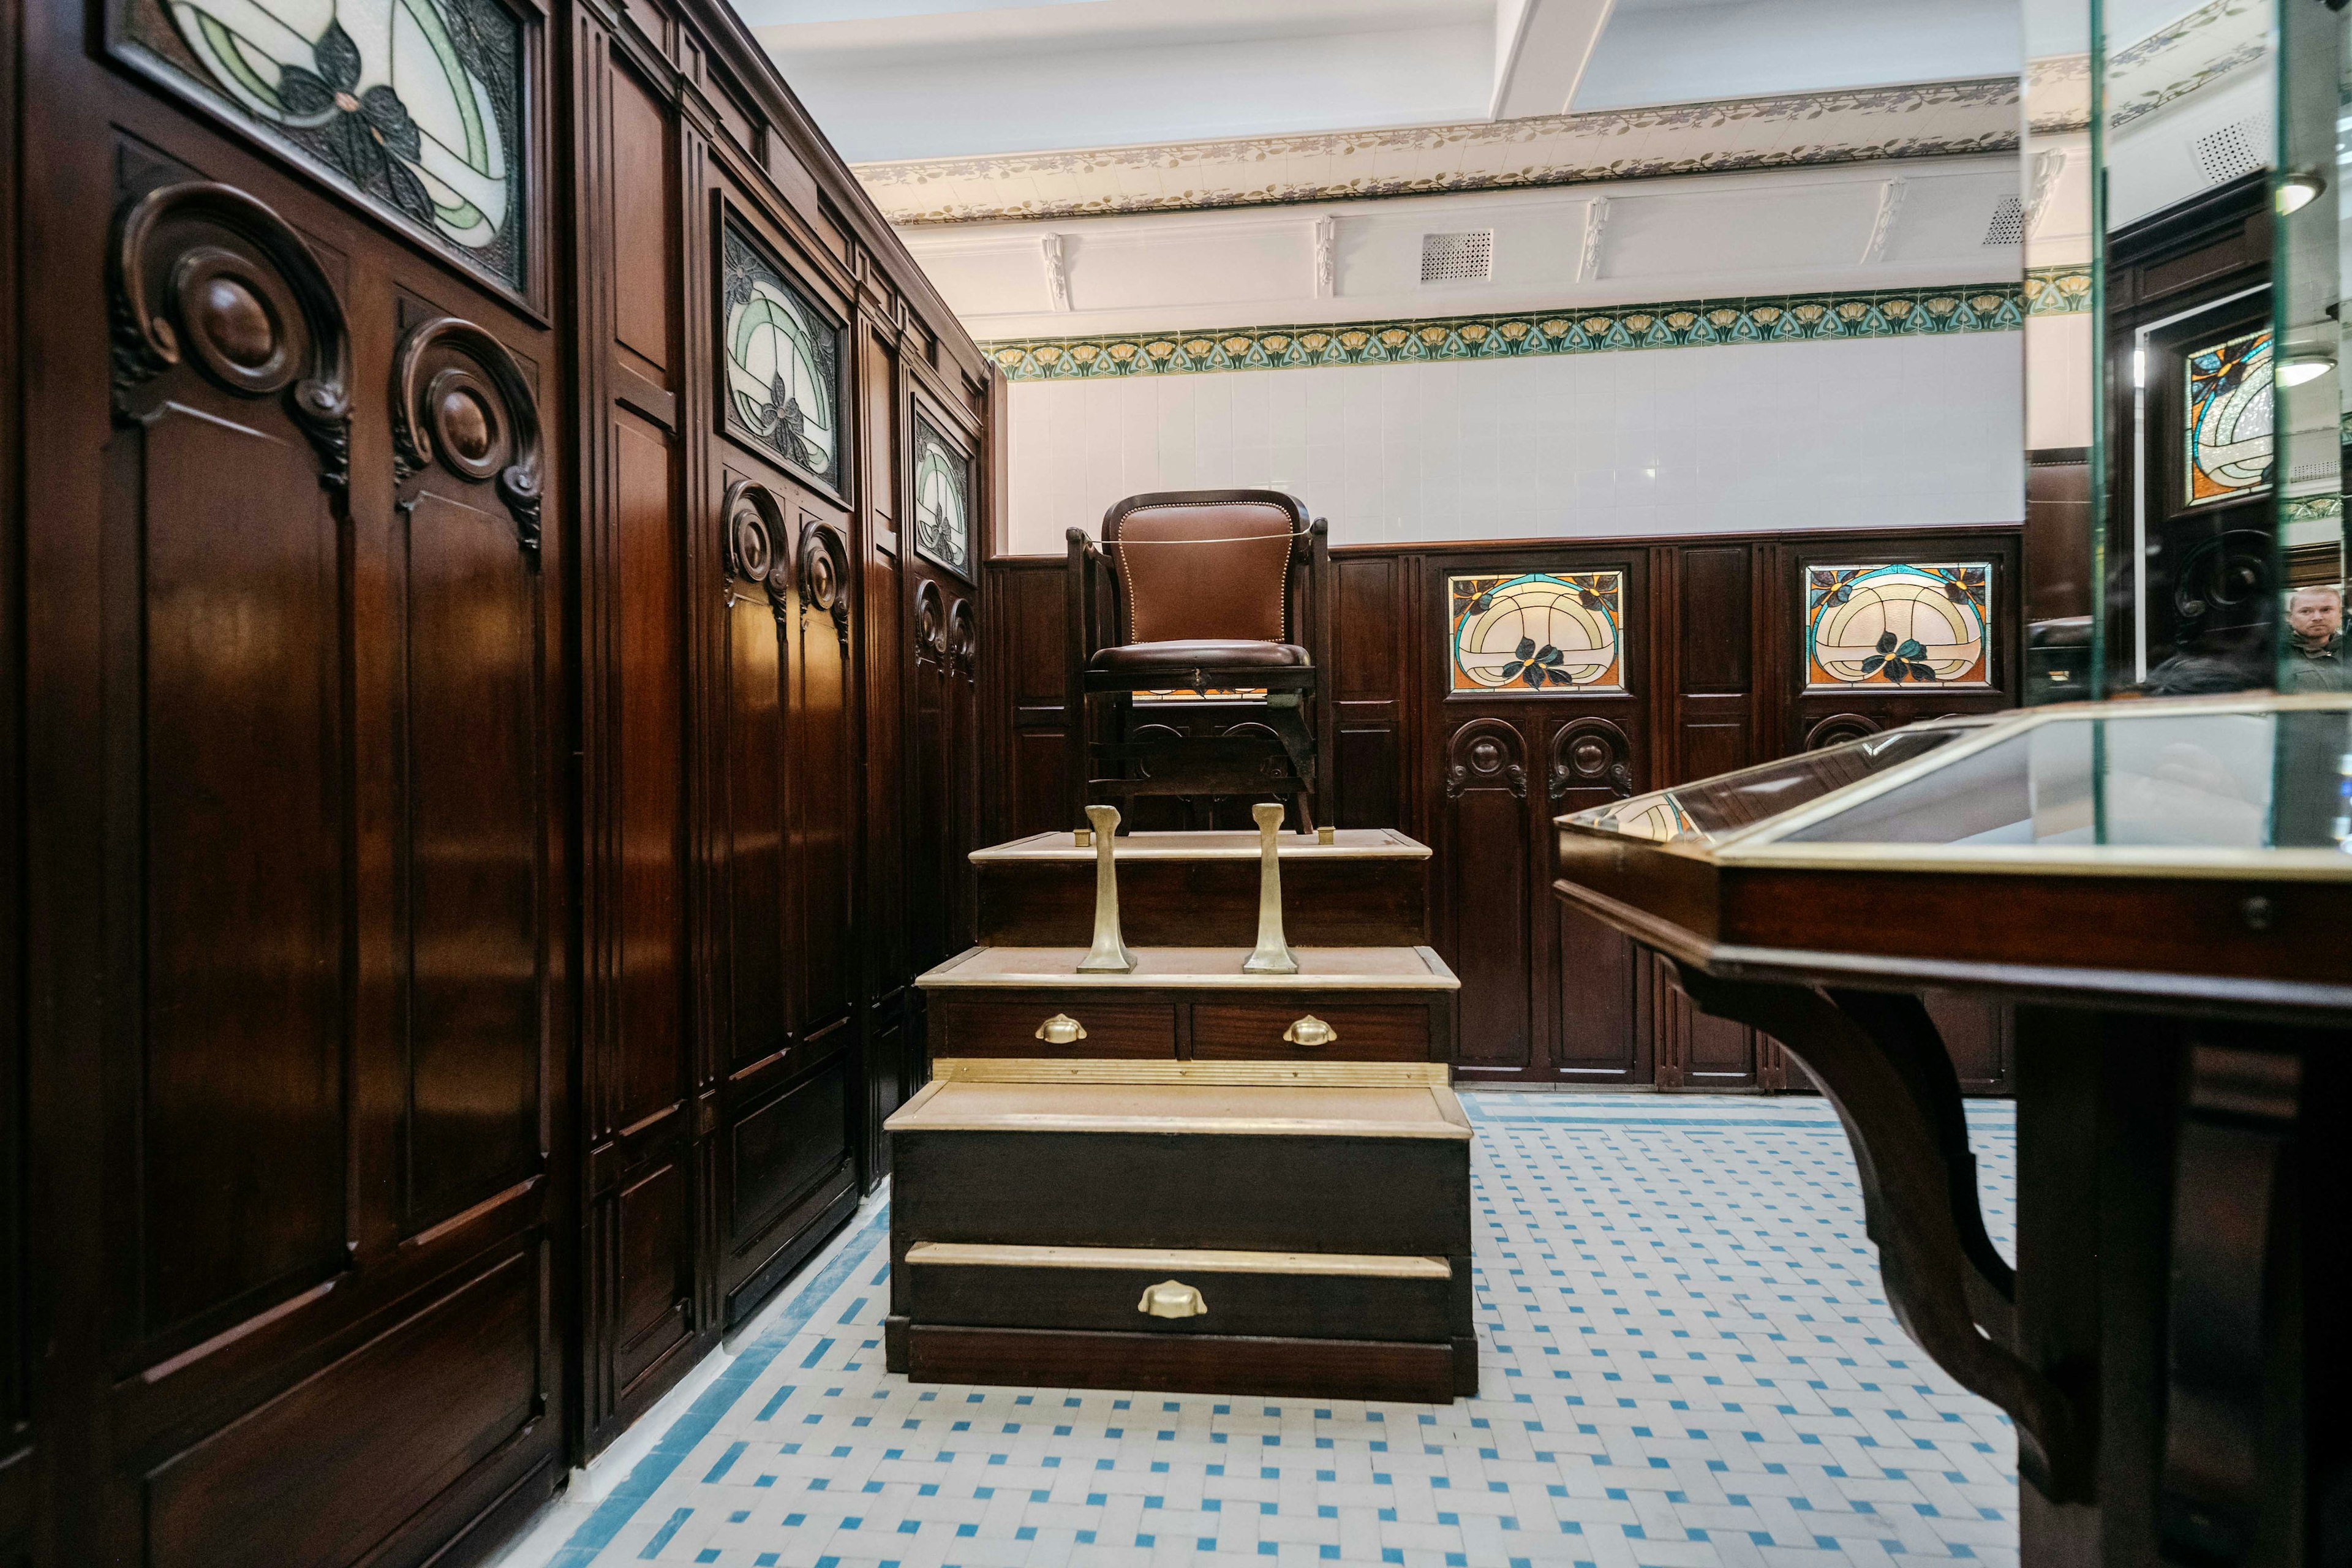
(2296, 369)
(2298, 190)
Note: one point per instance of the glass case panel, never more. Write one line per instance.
(2182, 338)
(2247, 776)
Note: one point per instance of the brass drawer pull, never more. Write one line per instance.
(1061, 1029)
(1310, 1031)
(1172, 1298)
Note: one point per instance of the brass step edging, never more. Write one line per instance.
(1170, 1260)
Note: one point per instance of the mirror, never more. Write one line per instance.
(2185, 521)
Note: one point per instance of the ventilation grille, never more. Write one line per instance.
(2007, 225)
(2236, 149)
(1466, 257)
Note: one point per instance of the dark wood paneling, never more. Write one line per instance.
(1713, 633)
(650, 687)
(225, 619)
(365, 617)
(442, 1391)
(472, 726)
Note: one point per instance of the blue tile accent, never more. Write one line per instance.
(1668, 1293)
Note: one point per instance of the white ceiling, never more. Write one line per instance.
(892, 80)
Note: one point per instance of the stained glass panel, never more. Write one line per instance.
(412, 105)
(1897, 624)
(2228, 418)
(1521, 633)
(783, 364)
(942, 499)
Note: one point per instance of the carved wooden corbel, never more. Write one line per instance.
(1484, 753)
(460, 398)
(753, 524)
(1590, 754)
(824, 574)
(204, 272)
(1881, 1063)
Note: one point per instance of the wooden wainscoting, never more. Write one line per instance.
(459, 766)
(1713, 678)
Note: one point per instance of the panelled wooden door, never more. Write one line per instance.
(294, 656)
(1545, 992)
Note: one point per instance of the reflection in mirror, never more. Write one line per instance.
(2185, 264)
(2314, 152)
(2183, 134)
(2060, 350)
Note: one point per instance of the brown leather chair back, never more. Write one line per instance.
(1205, 563)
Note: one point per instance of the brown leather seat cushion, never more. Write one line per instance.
(1201, 653)
(1209, 570)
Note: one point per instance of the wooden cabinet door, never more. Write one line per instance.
(293, 685)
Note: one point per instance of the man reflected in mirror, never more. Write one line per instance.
(2314, 622)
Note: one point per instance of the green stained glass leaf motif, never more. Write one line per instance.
(783, 364)
(942, 499)
(412, 106)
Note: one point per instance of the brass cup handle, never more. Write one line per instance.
(1172, 1298)
(1310, 1031)
(1061, 1029)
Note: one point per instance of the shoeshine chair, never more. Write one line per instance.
(1202, 591)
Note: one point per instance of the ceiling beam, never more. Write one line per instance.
(1542, 48)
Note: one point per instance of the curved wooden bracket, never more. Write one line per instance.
(1881, 1063)
(458, 397)
(204, 272)
(824, 574)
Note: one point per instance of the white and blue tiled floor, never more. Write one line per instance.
(1687, 1355)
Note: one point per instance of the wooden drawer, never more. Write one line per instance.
(1291, 1295)
(1367, 1032)
(1004, 1024)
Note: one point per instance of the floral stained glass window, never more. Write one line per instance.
(1528, 631)
(414, 105)
(1897, 625)
(784, 359)
(942, 499)
(2228, 418)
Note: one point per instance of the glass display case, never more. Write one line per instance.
(2165, 845)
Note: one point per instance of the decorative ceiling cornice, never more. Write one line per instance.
(1673, 324)
(2216, 41)
(1929, 119)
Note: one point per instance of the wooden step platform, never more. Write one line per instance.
(1375, 1003)
(1367, 888)
(1244, 1228)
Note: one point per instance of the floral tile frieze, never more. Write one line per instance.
(1686, 323)
(2057, 290)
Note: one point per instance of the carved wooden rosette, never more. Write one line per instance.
(753, 523)
(1590, 754)
(931, 622)
(824, 574)
(963, 636)
(1879, 1061)
(207, 275)
(1485, 754)
(459, 399)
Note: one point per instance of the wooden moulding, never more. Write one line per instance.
(1066, 1358)
(1270, 1108)
(1172, 1259)
(1198, 968)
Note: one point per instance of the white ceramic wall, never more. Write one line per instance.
(1877, 433)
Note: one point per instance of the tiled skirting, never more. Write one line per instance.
(1687, 1356)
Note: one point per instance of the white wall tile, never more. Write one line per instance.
(1890, 433)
